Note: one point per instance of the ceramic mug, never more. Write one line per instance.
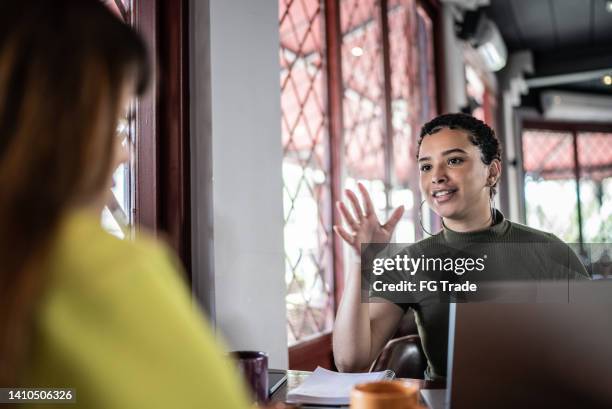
(385, 395)
(254, 368)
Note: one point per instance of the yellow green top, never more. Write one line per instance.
(117, 324)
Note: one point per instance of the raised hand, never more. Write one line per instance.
(364, 227)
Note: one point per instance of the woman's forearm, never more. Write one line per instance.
(352, 330)
(353, 338)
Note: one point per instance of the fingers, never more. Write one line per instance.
(348, 217)
(394, 219)
(344, 234)
(355, 203)
(367, 200)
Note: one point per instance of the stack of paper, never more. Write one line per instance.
(325, 387)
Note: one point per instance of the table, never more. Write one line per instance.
(295, 378)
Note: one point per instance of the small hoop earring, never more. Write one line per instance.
(421, 218)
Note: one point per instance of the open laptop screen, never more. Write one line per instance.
(541, 354)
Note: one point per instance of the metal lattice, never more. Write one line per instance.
(555, 174)
(595, 159)
(404, 88)
(365, 153)
(412, 94)
(363, 100)
(363, 79)
(427, 76)
(548, 161)
(307, 189)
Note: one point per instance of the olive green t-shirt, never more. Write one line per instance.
(516, 253)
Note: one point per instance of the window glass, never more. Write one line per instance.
(378, 154)
(551, 185)
(117, 216)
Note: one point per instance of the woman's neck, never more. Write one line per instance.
(479, 221)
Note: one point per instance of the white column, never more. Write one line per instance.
(237, 109)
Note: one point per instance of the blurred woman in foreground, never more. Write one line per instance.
(79, 308)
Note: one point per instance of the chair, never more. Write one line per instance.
(407, 325)
(404, 356)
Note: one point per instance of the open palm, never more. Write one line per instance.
(364, 226)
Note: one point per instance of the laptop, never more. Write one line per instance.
(276, 379)
(548, 353)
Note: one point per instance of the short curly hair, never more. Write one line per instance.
(480, 134)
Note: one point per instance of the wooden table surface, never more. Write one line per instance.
(295, 378)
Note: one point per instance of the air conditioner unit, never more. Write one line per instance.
(490, 45)
(482, 33)
(574, 106)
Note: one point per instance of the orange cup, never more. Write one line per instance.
(385, 395)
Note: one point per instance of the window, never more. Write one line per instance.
(152, 191)
(548, 163)
(595, 163)
(117, 216)
(306, 170)
(357, 82)
(568, 169)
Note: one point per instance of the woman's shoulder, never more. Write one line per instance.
(112, 310)
(522, 233)
(84, 250)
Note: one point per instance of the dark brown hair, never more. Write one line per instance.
(63, 67)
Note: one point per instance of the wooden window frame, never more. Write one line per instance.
(162, 190)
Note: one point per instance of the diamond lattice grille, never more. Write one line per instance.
(548, 161)
(365, 153)
(551, 198)
(405, 111)
(404, 93)
(595, 159)
(307, 191)
(363, 80)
